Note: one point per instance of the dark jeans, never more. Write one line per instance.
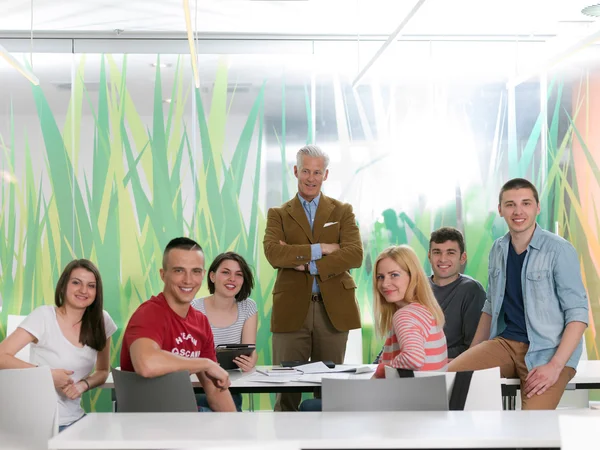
(312, 404)
(202, 402)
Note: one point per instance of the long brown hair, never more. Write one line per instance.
(418, 290)
(92, 333)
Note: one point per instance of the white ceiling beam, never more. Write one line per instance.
(190, 38)
(387, 43)
(18, 66)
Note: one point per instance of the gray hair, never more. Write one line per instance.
(314, 152)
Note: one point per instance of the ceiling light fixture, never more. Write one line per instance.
(190, 36)
(592, 10)
(18, 66)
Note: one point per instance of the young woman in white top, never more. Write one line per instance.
(71, 338)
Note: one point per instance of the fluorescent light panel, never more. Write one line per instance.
(17, 65)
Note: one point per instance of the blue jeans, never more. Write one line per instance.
(202, 402)
(61, 428)
(312, 404)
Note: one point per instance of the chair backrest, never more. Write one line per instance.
(405, 394)
(485, 390)
(584, 355)
(11, 325)
(578, 432)
(354, 347)
(28, 406)
(168, 393)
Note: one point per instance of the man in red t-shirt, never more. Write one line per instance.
(166, 335)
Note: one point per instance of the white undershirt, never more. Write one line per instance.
(54, 350)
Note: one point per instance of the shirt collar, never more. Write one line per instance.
(315, 200)
(536, 239)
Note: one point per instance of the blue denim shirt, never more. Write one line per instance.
(553, 294)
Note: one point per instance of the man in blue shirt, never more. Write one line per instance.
(536, 309)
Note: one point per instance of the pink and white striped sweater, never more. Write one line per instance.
(416, 342)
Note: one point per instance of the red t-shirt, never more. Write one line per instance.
(154, 319)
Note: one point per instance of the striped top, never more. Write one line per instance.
(233, 333)
(416, 343)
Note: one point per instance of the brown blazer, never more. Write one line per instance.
(292, 290)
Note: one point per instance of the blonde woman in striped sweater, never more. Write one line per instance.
(407, 314)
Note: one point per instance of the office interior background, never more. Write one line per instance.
(116, 151)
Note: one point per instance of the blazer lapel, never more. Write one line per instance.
(324, 210)
(296, 210)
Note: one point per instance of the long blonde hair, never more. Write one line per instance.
(418, 290)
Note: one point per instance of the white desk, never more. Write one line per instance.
(443, 430)
(587, 377)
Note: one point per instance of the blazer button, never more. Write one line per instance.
(331, 275)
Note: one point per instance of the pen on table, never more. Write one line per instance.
(262, 372)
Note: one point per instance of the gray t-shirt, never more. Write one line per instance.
(461, 301)
(233, 333)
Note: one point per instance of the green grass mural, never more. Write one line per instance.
(134, 196)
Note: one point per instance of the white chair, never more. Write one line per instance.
(11, 325)
(29, 406)
(578, 432)
(485, 390)
(406, 394)
(354, 350)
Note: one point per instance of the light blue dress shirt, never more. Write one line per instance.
(553, 294)
(310, 208)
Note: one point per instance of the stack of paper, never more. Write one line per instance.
(320, 367)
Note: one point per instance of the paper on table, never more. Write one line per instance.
(318, 378)
(261, 378)
(316, 367)
(279, 371)
(319, 367)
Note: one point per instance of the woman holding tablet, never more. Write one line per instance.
(407, 314)
(72, 338)
(230, 310)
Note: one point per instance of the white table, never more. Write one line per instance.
(422, 430)
(587, 377)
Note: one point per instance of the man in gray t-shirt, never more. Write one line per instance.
(460, 296)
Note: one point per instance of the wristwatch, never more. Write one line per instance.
(307, 267)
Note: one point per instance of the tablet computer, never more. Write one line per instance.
(227, 352)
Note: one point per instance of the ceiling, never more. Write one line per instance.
(508, 20)
(323, 17)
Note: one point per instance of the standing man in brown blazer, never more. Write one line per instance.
(313, 242)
